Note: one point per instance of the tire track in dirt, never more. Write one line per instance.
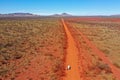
(114, 69)
(71, 57)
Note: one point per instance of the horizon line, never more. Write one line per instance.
(62, 13)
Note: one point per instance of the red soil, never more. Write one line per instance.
(71, 57)
(99, 53)
(33, 71)
(95, 19)
(115, 70)
(43, 60)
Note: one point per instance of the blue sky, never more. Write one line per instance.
(76, 7)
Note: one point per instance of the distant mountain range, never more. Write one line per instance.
(18, 15)
(118, 15)
(32, 15)
(62, 15)
(54, 15)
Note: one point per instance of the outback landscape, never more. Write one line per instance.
(59, 39)
(41, 48)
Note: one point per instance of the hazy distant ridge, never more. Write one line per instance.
(54, 15)
(17, 14)
(61, 15)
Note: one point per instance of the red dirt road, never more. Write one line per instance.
(105, 59)
(71, 57)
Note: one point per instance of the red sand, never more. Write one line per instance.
(115, 70)
(71, 57)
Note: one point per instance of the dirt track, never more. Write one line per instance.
(97, 52)
(114, 69)
(72, 57)
(33, 71)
